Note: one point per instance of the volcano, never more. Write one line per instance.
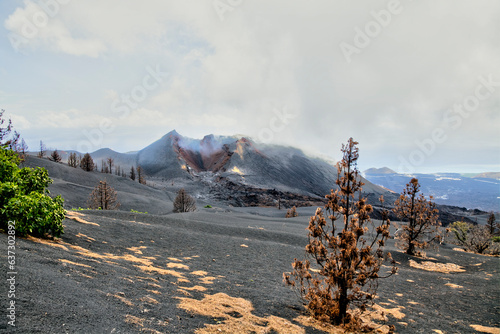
(242, 161)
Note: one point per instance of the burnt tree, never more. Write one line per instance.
(343, 266)
(184, 202)
(87, 163)
(103, 197)
(421, 216)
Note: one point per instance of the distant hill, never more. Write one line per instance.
(378, 171)
(453, 189)
(488, 175)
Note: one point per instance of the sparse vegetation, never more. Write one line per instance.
(208, 206)
(474, 238)
(421, 216)
(184, 202)
(87, 163)
(292, 212)
(24, 199)
(135, 211)
(345, 265)
(103, 197)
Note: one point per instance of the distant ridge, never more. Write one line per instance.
(379, 171)
(488, 175)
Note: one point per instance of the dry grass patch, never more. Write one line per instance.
(149, 300)
(160, 271)
(174, 259)
(207, 280)
(74, 263)
(199, 273)
(454, 286)
(121, 297)
(52, 243)
(156, 292)
(137, 250)
(177, 265)
(238, 316)
(133, 320)
(193, 288)
(78, 217)
(484, 329)
(81, 235)
(439, 267)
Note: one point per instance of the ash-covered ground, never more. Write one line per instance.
(119, 272)
(218, 269)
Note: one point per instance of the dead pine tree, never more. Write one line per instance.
(55, 156)
(492, 225)
(103, 197)
(132, 173)
(140, 175)
(184, 202)
(42, 151)
(73, 160)
(87, 163)
(23, 149)
(343, 267)
(421, 216)
(111, 162)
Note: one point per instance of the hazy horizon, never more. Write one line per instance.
(417, 84)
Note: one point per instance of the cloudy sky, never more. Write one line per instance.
(416, 83)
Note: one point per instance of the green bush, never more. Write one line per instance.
(24, 199)
(208, 206)
(135, 211)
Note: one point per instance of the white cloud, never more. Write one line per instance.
(227, 76)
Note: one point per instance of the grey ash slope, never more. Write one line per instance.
(75, 186)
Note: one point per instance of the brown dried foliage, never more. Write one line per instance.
(422, 218)
(292, 212)
(103, 197)
(345, 265)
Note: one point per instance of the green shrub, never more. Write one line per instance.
(208, 206)
(135, 211)
(24, 199)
